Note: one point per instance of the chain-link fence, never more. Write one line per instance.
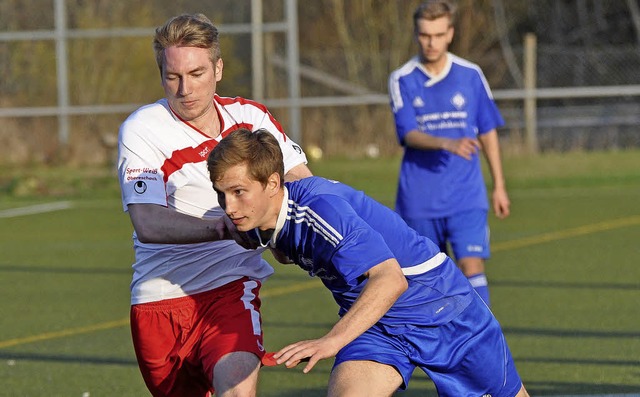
(346, 51)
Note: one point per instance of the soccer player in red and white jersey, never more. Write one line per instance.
(195, 310)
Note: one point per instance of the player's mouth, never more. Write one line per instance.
(189, 104)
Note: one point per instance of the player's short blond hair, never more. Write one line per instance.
(434, 9)
(259, 150)
(187, 30)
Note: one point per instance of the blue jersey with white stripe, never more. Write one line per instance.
(454, 104)
(337, 233)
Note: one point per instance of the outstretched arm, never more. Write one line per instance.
(298, 172)
(385, 284)
(154, 223)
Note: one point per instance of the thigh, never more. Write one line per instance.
(157, 331)
(469, 234)
(236, 374)
(376, 346)
(475, 360)
(231, 324)
(363, 378)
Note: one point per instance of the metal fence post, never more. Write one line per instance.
(293, 60)
(60, 11)
(530, 112)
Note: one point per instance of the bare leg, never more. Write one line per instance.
(363, 378)
(236, 375)
(473, 269)
(471, 266)
(522, 392)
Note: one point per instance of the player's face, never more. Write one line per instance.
(189, 80)
(433, 39)
(246, 201)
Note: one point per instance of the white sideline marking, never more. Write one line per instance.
(35, 209)
(600, 395)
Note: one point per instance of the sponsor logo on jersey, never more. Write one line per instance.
(474, 248)
(297, 149)
(307, 264)
(140, 187)
(458, 100)
(204, 152)
(417, 102)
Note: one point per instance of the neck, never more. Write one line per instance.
(208, 123)
(437, 66)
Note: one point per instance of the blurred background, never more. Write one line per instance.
(565, 73)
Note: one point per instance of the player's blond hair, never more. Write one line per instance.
(259, 150)
(186, 30)
(434, 9)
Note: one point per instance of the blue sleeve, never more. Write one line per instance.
(403, 112)
(488, 114)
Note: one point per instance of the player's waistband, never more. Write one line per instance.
(425, 266)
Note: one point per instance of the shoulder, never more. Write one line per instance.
(409, 67)
(465, 65)
(238, 103)
(316, 192)
(151, 117)
(148, 113)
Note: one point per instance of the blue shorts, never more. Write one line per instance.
(465, 357)
(467, 233)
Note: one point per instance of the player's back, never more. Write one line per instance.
(437, 288)
(407, 246)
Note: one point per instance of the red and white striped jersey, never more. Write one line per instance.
(162, 160)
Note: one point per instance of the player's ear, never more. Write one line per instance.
(217, 67)
(450, 34)
(273, 184)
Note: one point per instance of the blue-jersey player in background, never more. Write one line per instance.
(403, 303)
(444, 113)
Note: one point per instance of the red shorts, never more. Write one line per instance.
(179, 341)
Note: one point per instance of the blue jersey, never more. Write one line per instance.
(457, 103)
(337, 233)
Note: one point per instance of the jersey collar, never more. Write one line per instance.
(282, 216)
(435, 78)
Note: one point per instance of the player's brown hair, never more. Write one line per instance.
(259, 150)
(434, 9)
(187, 30)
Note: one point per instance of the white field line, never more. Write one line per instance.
(35, 209)
(600, 395)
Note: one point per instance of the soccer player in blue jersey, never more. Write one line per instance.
(445, 115)
(403, 303)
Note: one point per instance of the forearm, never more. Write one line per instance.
(423, 141)
(491, 150)
(385, 284)
(157, 224)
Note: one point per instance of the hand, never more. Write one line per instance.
(501, 203)
(463, 147)
(307, 350)
(230, 232)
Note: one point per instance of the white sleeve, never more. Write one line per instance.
(139, 167)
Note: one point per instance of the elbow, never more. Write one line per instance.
(145, 233)
(403, 285)
(144, 236)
